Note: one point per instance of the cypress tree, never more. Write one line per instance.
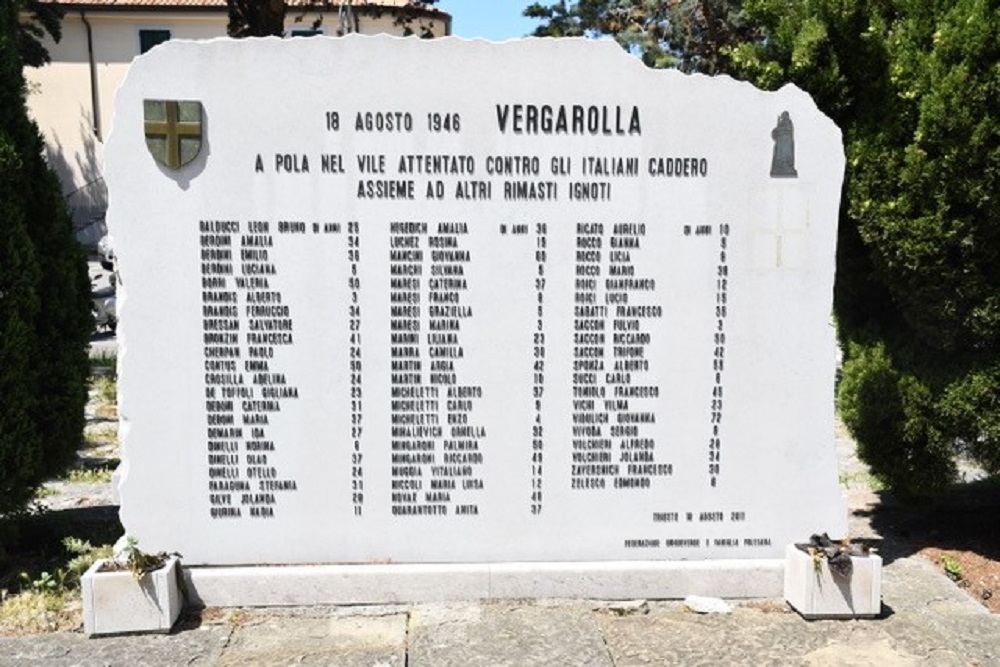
(45, 320)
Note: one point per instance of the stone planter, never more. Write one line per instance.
(819, 593)
(116, 602)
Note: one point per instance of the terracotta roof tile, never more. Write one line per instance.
(211, 3)
(143, 3)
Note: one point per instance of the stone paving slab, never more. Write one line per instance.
(926, 620)
(914, 585)
(675, 636)
(350, 641)
(671, 635)
(511, 634)
(202, 646)
(918, 594)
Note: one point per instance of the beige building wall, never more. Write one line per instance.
(76, 122)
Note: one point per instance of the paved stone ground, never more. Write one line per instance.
(926, 620)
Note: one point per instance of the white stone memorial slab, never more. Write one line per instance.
(402, 301)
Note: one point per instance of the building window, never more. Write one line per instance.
(303, 32)
(150, 38)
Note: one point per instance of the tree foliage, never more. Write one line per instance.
(38, 19)
(915, 87)
(45, 320)
(256, 18)
(692, 35)
(263, 18)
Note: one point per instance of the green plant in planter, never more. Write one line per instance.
(138, 561)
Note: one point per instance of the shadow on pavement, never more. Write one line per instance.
(964, 519)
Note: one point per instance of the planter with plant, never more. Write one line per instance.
(825, 578)
(132, 592)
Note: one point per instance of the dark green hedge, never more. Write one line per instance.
(45, 320)
(915, 87)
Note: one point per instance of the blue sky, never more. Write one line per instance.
(491, 19)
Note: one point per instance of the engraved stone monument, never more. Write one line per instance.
(461, 319)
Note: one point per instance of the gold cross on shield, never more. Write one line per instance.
(173, 130)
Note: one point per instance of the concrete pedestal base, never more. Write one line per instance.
(115, 602)
(815, 592)
(381, 584)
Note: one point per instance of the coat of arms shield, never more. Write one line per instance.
(173, 130)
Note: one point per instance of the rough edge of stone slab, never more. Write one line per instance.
(264, 586)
